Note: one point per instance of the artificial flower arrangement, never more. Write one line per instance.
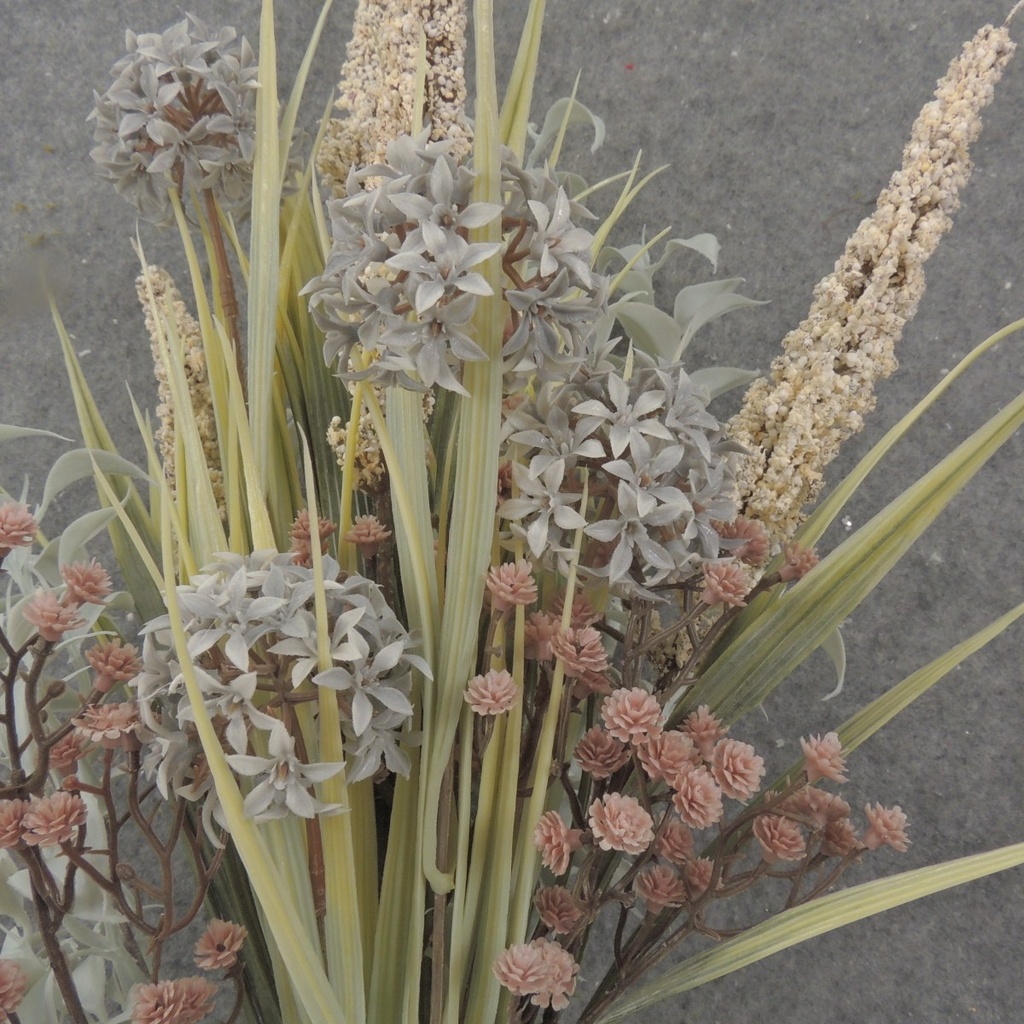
(454, 592)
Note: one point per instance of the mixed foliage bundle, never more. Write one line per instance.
(450, 588)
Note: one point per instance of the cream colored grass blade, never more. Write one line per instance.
(343, 922)
(626, 196)
(515, 109)
(291, 110)
(759, 658)
(194, 492)
(297, 949)
(817, 917)
(827, 511)
(264, 253)
(476, 472)
(138, 580)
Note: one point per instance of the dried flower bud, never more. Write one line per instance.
(179, 1001)
(302, 537)
(107, 724)
(511, 584)
(754, 546)
(557, 908)
(697, 797)
(887, 826)
(697, 874)
(824, 758)
(780, 838)
(664, 757)
(620, 823)
(12, 813)
(674, 842)
(113, 662)
(51, 618)
(367, 533)
(599, 753)
(659, 886)
(705, 729)
(632, 716)
(87, 582)
(17, 527)
(724, 583)
(580, 651)
(540, 969)
(52, 820)
(493, 693)
(556, 841)
(13, 986)
(218, 946)
(798, 562)
(737, 768)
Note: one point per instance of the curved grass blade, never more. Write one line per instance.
(802, 923)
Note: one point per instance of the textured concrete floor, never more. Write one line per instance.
(780, 121)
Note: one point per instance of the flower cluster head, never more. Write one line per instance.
(653, 459)
(218, 946)
(181, 114)
(17, 527)
(556, 841)
(252, 640)
(13, 986)
(541, 969)
(492, 693)
(177, 1001)
(403, 280)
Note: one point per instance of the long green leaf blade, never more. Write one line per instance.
(802, 923)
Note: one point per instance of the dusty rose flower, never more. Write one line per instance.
(557, 908)
(493, 693)
(674, 842)
(724, 583)
(540, 629)
(600, 753)
(591, 682)
(660, 887)
(51, 618)
(580, 651)
(780, 838)
(53, 819)
(87, 582)
(64, 754)
(218, 946)
(887, 826)
(302, 538)
(665, 756)
(620, 823)
(540, 969)
(556, 841)
(511, 584)
(817, 805)
(824, 756)
(12, 813)
(17, 527)
(697, 875)
(840, 838)
(704, 729)
(113, 662)
(181, 1001)
(367, 533)
(737, 768)
(754, 549)
(798, 561)
(13, 986)
(107, 724)
(697, 797)
(582, 613)
(521, 969)
(632, 716)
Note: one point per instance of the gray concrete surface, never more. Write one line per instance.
(780, 120)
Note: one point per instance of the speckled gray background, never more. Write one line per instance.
(780, 121)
